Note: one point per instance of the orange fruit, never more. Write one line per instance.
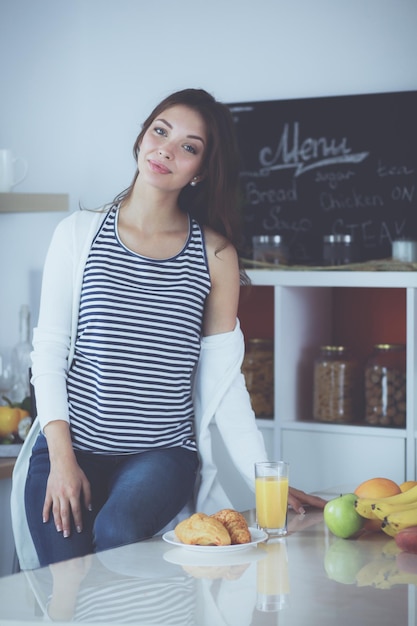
(377, 488)
(407, 485)
(9, 419)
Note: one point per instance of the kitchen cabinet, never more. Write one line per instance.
(305, 316)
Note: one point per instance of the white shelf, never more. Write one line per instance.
(305, 278)
(33, 202)
(265, 423)
(303, 320)
(340, 429)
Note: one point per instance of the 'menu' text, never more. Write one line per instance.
(306, 154)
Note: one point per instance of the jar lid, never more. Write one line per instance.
(266, 239)
(260, 342)
(333, 348)
(389, 346)
(337, 239)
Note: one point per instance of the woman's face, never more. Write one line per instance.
(172, 149)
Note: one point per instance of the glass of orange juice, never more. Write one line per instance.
(271, 494)
(273, 587)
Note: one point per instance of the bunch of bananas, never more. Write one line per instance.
(395, 512)
(370, 564)
(384, 573)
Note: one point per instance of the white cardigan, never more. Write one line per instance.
(219, 393)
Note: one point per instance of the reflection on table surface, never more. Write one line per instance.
(308, 577)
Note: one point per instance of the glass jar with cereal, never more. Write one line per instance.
(385, 386)
(335, 396)
(258, 369)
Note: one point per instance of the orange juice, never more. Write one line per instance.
(272, 571)
(271, 493)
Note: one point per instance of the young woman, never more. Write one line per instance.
(138, 348)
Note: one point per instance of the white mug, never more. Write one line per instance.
(8, 170)
(404, 250)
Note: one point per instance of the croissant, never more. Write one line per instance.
(235, 524)
(203, 530)
(211, 572)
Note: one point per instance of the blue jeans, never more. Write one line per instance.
(133, 497)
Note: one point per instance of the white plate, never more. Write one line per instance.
(178, 556)
(256, 534)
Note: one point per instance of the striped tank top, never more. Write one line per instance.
(138, 341)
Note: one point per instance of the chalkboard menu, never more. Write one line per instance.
(331, 165)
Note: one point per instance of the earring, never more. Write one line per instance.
(194, 182)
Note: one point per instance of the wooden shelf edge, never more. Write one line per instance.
(33, 202)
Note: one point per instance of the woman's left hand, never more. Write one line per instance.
(297, 498)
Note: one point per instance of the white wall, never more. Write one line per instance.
(77, 78)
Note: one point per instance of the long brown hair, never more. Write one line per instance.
(214, 201)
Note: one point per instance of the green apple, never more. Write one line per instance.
(341, 518)
(343, 560)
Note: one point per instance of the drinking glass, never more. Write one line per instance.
(271, 494)
(6, 379)
(272, 578)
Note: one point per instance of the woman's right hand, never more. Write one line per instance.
(67, 486)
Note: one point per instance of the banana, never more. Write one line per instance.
(371, 572)
(399, 577)
(388, 530)
(363, 506)
(405, 497)
(401, 518)
(366, 506)
(390, 549)
(384, 574)
(385, 571)
(377, 574)
(381, 509)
